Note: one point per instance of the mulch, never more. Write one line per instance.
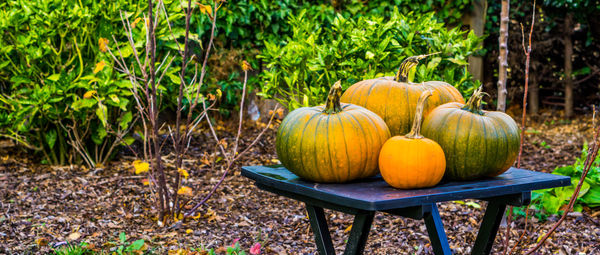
(43, 206)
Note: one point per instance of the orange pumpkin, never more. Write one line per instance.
(412, 161)
(395, 98)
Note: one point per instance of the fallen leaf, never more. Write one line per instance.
(73, 236)
(140, 166)
(185, 191)
(183, 173)
(41, 241)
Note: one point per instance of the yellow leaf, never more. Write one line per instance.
(99, 66)
(348, 229)
(185, 191)
(246, 66)
(135, 22)
(89, 94)
(189, 231)
(183, 173)
(205, 9)
(145, 182)
(103, 44)
(115, 98)
(140, 167)
(41, 241)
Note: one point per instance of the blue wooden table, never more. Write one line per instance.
(363, 198)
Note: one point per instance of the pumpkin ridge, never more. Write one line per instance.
(485, 154)
(407, 109)
(302, 166)
(466, 158)
(286, 136)
(345, 146)
(496, 133)
(373, 128)
(504, 139)
(316, 149)
(351, 96)
(455, 138)
(365, 143)
(385, 109)
(373, 85)
(329, 150)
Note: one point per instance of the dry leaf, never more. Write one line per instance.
(135, 22)
(140, 167)
(74, 236)
(183, 173)
(246, 66)
(89, 94)
(185, 191)
(41, 241)
(99, 66)
(103, 44)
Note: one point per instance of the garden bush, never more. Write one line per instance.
(59, 93)
(553, 201)
(300, 71)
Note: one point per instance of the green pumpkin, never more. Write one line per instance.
(333, 142)
(476, 143)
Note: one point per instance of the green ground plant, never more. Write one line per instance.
(551, 201)
(300, 70)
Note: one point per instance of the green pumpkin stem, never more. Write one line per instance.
(415, 131)
(407, 65)
(474, 103)
(332, 105)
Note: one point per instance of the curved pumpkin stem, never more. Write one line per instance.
(474, 103)
(407, 64)
(415, 131)
(332, 105)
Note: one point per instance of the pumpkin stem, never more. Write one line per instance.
(474, 103)
(332, 105)
(415, 131)
(407, 64)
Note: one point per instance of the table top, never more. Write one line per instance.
(374, 194)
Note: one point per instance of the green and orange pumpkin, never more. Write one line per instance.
(333, 142)
(476, 143)
(395, 98)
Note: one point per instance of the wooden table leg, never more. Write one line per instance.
(359, 233)
(489, 227)
(435, 229)
(320, 229)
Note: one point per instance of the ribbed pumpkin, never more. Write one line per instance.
(477, 143)
(412, 161)
(395, 98)
(333, 142)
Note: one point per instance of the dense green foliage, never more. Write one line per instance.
(52, 53)
(300, 71)
(551, 201)
(48, 52)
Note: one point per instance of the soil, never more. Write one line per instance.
(43, 206)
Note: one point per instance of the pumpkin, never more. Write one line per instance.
(395, 98)
(333, 142)
(412, 161)
(476, 143)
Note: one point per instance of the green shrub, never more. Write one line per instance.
(551, 201)
(300, 71)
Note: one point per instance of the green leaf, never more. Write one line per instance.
(54, 77)
(124, 123)
(101, 112)
(51, 138)
(122, 237)
(592, 197)
(137, 245)
(127, 140)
